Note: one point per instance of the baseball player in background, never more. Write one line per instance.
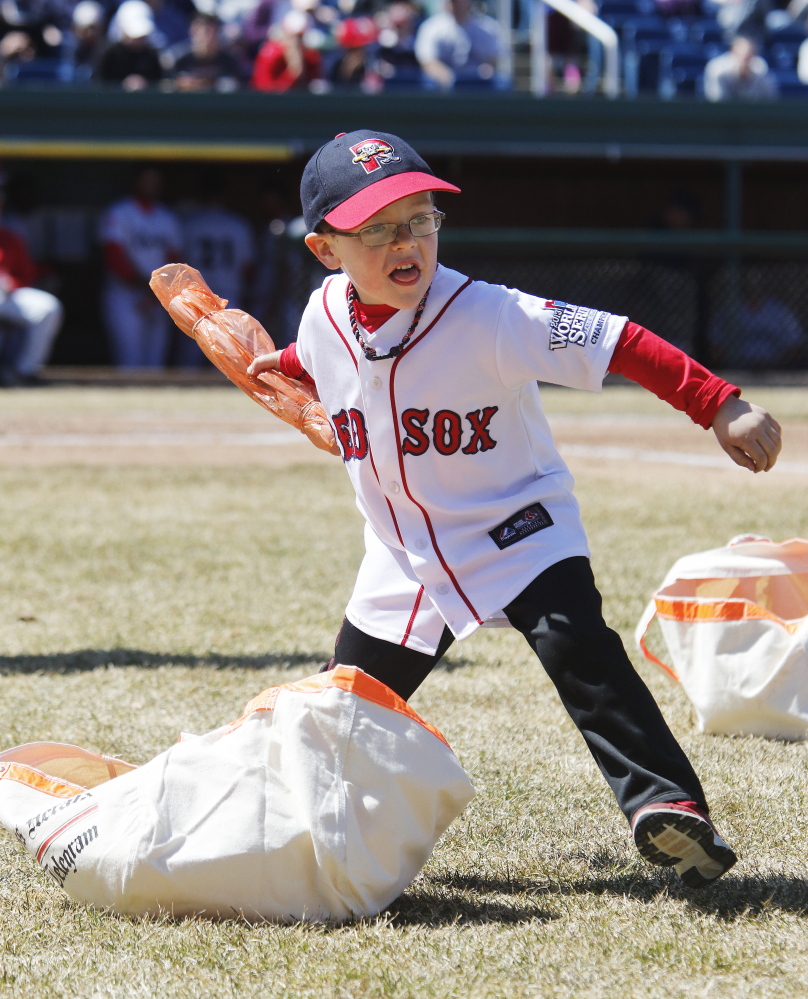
(430, 381)
(138, 235)
(220, 244)
(30, 318)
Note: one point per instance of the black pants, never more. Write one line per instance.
(559, 614)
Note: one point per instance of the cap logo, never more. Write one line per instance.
(373, 154)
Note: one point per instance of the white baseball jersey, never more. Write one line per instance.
(220, 245)
(465, 496)
(148, 235)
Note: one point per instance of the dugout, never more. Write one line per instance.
(573, 198)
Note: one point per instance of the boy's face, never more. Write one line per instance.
(396, 274)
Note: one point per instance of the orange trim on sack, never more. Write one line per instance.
(347, 678)
(355, 681)
(721, 610)
(35, 779)
(265, 701)
(654, 659)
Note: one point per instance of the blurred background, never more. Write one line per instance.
(648, 157)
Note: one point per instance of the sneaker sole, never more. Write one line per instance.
(685, 842)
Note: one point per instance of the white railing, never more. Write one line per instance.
(505, 61)
(592, 25)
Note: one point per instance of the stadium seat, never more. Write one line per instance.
(789, 84)
(475, 83)
(640, 29)
(38, 71)
(405, 78)
(794, 32)
(617, 12)
(643, 40)
(681, 68)
(782, 55)
(706, 32)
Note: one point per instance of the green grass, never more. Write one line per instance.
(142, 601)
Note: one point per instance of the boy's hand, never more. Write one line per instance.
(748, 434)
(267, 362)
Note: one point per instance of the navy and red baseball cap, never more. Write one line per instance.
(357, 174)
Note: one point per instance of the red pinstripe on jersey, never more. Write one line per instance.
(356, 365)
(411, 621)
(327, 285)
(412, 499)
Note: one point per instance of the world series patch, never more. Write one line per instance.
(519, 525)
(574, 324)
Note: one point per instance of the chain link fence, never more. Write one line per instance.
(727, 311)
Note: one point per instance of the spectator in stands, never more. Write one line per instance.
(739, 74)
(458, 45)
(138, 235)
(84, 43)
(398, 24)
(35, 20)
(133, 62)
(759, 331)
(285, 62)
(170, 18)
(30, 318)
(356, 67)
(15, 47)
(204, 64)
(569, 48)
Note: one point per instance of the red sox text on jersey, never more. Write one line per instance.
(446, 431)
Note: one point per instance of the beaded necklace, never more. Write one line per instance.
(369, 352)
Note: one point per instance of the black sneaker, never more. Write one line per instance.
(679, 834)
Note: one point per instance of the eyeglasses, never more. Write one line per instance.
(387, 232)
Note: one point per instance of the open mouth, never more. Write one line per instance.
(405, 274)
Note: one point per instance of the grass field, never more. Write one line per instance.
(151, 589)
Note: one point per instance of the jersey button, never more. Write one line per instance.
(375, 382)
(420, 543)
(442, 587)
(394, 487)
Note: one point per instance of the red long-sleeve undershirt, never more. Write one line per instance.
(647, 359)
(640, 355)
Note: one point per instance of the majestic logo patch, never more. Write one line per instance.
(574, 324)
(373, 154)
(519, 525)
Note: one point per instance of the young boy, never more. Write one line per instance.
(430, 381)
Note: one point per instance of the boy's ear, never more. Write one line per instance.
(322, 248)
